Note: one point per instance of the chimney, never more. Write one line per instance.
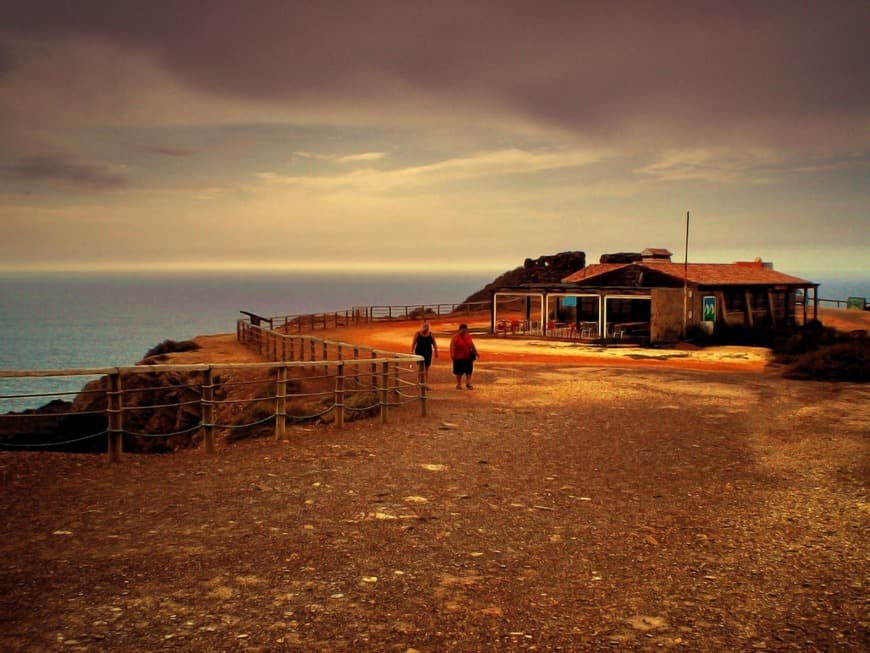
(655, 254)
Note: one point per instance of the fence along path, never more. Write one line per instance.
(302, 323)
(387, 379)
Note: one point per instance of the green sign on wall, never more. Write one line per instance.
(708, 308)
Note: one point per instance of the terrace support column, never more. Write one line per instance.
(720, 306)
(750, 319)
(771, 307)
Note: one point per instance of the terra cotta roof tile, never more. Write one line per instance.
(703, 274)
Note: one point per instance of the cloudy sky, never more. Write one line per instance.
(440, 135)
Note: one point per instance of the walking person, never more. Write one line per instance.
(463, 353)
(424, 345)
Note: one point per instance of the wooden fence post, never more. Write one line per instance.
(384, 390)
(114, 405)
(374, 371)
(207, 411)
(281, 404)
(421, 376)
(339, 396)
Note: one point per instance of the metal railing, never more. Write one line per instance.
(846, 303)
(301, 323)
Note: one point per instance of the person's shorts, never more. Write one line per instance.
(463, 366)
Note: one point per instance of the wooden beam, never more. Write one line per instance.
(771, 306)
(750, 319)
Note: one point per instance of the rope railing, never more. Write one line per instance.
(376, 375)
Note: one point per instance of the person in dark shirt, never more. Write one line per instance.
(424, 345)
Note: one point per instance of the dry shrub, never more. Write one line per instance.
(171, 347)
(842, 361)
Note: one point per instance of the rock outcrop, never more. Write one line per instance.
(621, 257)
(545, 269)
(154, 403)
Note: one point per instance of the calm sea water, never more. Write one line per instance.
(82, 320)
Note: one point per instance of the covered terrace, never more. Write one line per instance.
(567, 311)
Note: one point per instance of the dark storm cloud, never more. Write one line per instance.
(590, 67)
(55, 169)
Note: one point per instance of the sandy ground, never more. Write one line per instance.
(575, 500)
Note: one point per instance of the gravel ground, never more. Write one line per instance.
(555, 507)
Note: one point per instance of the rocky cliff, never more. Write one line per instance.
(545, 269)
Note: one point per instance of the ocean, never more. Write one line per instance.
(84, 320)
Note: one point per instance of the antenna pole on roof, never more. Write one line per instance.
(686, 279)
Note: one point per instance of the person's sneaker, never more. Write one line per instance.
(458, 387)
(470, 387)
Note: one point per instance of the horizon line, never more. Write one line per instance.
(254, 267)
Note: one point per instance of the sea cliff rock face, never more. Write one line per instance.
(545, 269)
(46, 419)
(154, 403)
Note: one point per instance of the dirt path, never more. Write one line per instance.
(555, 507)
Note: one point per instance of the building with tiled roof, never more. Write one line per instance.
(702, 274)
(647, 297)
